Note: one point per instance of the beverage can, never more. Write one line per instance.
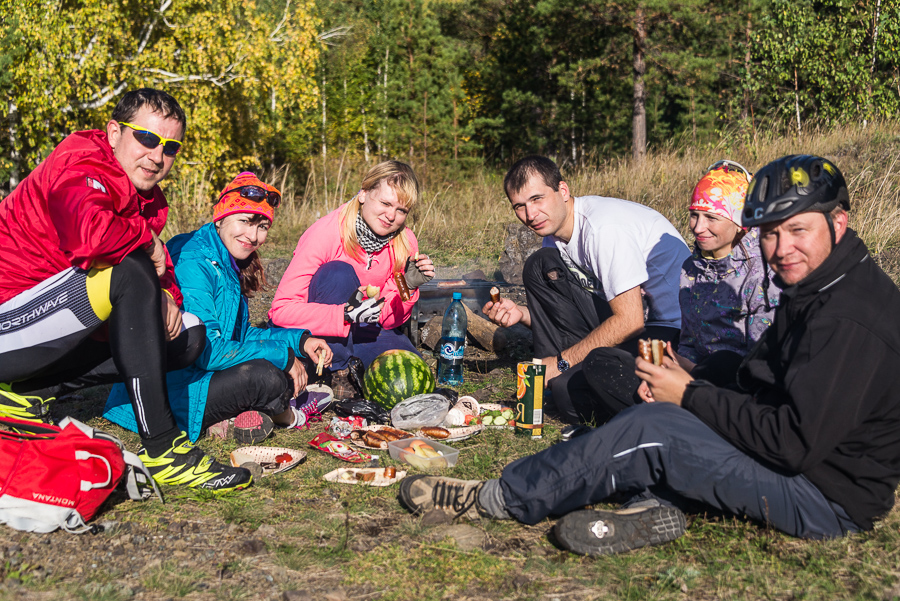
(530, 395)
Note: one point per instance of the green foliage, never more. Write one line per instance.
(241, 72)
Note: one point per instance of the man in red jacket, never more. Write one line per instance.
(87, 290)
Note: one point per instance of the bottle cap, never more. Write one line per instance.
(457, 295)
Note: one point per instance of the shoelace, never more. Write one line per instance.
(449, 496)
(311, 410)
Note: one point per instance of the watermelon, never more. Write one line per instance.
(397, 375)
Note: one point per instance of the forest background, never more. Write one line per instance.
(310, 92)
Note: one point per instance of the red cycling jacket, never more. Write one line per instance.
(77, 208)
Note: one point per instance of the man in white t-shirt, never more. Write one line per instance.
(608, 273)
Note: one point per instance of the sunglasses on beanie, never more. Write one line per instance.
(256, 194)
(151, 140)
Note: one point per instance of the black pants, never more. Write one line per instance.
(563, 314)
(256, 385)
(666, 451)
(136, 352)
(610, 375)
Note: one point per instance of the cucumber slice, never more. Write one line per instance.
(500, 421)
(487, 420)
(507, 414)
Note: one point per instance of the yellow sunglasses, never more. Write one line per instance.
(151, 139)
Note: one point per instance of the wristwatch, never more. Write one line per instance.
(561, 364)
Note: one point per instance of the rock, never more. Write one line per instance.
(266, 531)
(275, 269)
(520, 244)
(256, 469)
(251, 546)
(466, 537)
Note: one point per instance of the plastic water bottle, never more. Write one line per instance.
(453, 343)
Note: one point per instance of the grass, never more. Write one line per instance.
(336, 541)
(321, 539)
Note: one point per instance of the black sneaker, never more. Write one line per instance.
(457, 498)
(29, 408)
(595, 532)
(184, 464)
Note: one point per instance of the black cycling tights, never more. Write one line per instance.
(136, 353)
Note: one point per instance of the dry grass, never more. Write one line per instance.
(461, 216)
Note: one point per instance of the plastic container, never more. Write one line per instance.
(453, 343)
(400, 450)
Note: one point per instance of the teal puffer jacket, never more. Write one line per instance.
(212, 292)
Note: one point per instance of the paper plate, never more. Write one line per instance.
(375, 428)
(485, 407)
(265, 457)
(346, 475)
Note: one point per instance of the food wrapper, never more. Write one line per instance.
(338, 448)
(341, 427)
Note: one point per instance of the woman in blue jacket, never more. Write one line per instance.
(242, 368)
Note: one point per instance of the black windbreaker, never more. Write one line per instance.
(819, 395)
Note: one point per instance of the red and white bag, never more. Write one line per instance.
(58, 476)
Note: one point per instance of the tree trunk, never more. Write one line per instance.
(13, 146)
(797, 100)
(365, 135)
(455, 132)
(425, 131)
(639, 115)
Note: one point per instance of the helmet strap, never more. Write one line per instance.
(830, 228)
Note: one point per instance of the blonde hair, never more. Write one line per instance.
(402, 179)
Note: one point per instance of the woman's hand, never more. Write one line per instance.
(297, 373)
(318, 350)
(360, 310)
(419, 271)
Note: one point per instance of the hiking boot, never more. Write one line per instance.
(28, 408)
(251, 427)
(595, 532)
(187, 465)
(457, 498)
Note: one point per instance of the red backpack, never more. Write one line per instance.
(58, 476)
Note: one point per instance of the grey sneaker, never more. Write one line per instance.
(595, 532)
(458, 498)
(251, 427)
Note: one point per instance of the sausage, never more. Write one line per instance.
(645, 350)
(652, 350)
(373, 439)
(436, 432)
(390, 472)
(495, 295)
(402, 286)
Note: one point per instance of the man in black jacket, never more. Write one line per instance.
(807, 439)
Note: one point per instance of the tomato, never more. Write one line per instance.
(284, 458)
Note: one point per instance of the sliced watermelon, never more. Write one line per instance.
(397, 375)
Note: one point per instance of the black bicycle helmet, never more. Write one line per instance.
(791, 185)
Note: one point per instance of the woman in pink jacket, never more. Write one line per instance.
(362, 243)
